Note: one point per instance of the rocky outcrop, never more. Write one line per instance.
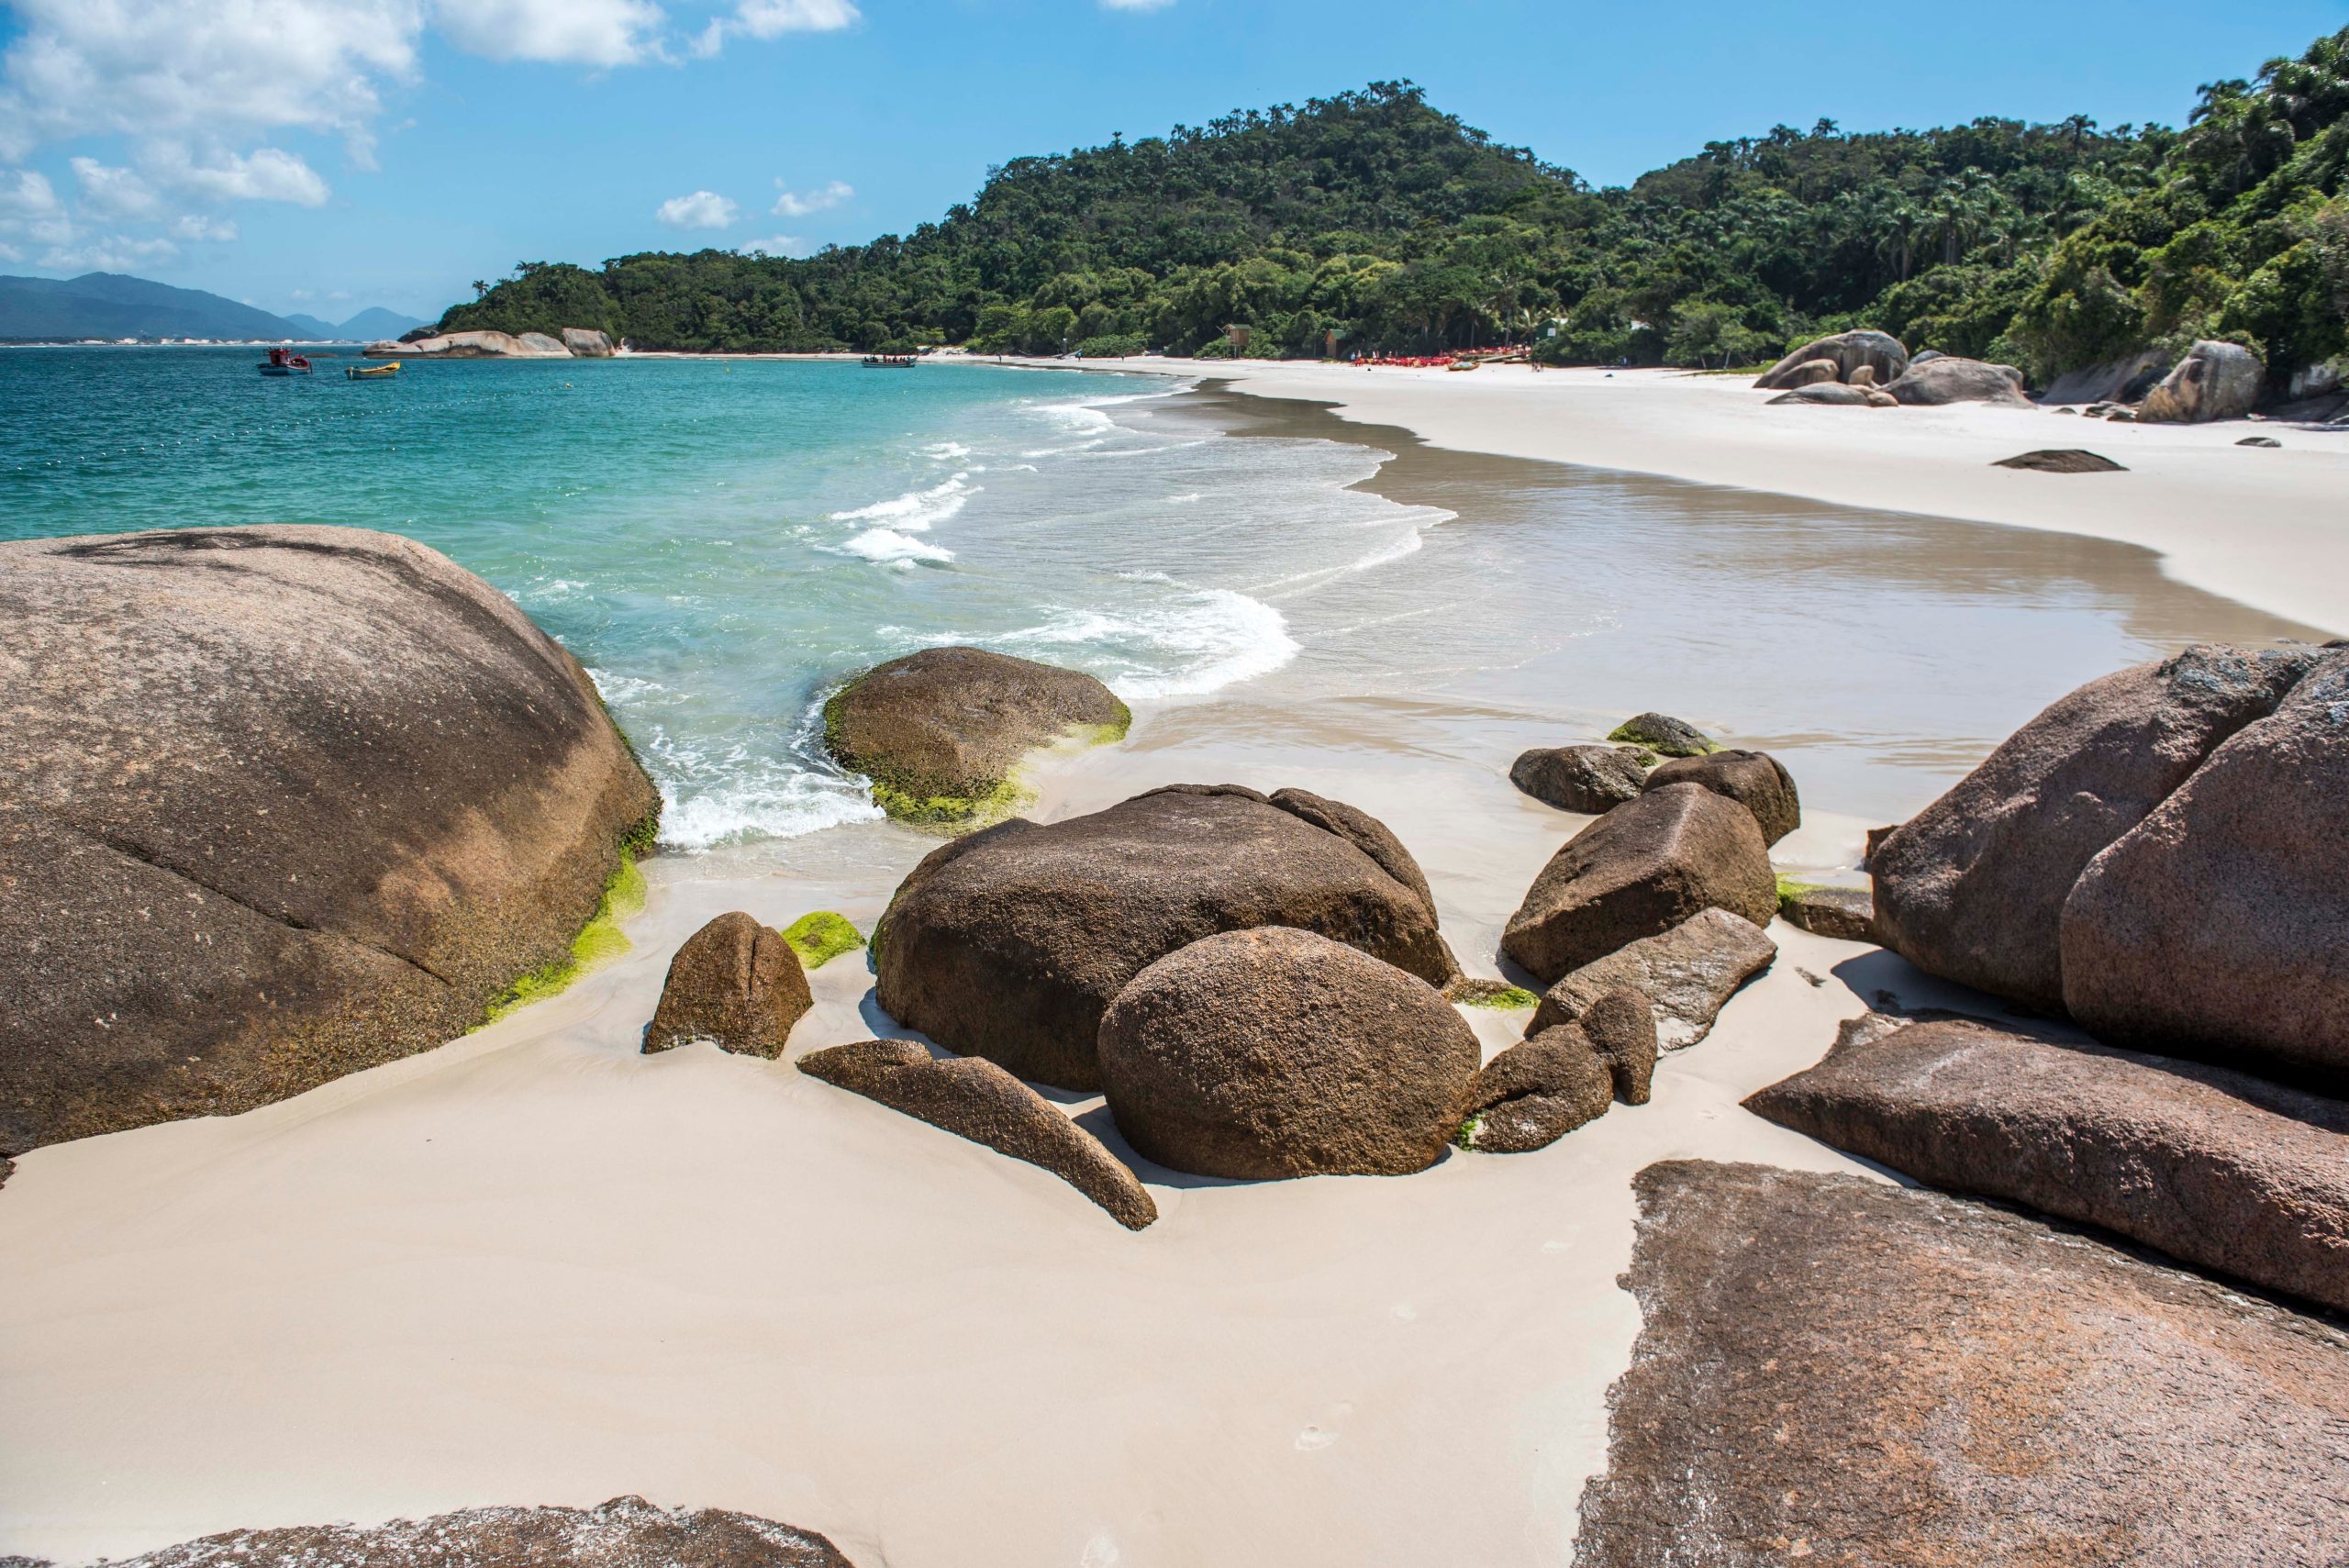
(1973, 887)
(1365, 832)
(2117, 380)
(1755, 780)
(1664, 735)
(1277, 1053)
(735, 983)
(1847, 914)
(627, 1532)
(1834, 394)
(1847, 352)
(1536, 1091)
(1687, 976)
(1589, 779)
(587, 343)
(1009, 944)
(471, 346)
(976, 1099)
(939, 732)
(1834, 1370)
(2215, 380)
(2226, 1172)
(1638, 871)
(283, 802)
(1945, 378)
(1811, 373)
(2060, 459)
(2218, 927)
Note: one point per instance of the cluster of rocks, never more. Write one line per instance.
(283, 802)
(1873, 370)
(575, 344)
(2157, 860)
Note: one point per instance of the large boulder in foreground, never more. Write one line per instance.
(1834, 1370)
(737, 984)
(1589, 779)
(2215, 380)
(1848, 351)
(1687, 976)
(627, 1532)
(1945, 378)
(2219, 926)
(939, 732)
(1973, 887)
(1755, 780)
(1010, 943)
(1638, 871)
(283, 802)
(974, 1098)
(2223, 1171)
(1277, 1053)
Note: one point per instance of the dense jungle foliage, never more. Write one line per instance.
(1372, 222)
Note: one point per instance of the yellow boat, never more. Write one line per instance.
(371, 372)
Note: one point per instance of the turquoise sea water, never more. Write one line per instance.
(721, 540)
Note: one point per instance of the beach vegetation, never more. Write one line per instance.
(1373, 222)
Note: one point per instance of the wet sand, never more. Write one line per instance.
(537, 1267)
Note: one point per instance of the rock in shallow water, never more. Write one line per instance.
(1589, 779)
(735, 983)
(976, 1099)
(1662, 734)
(1638, 871)
(1687, 976)
(1009, 944)
(2218, 1169)
(1277, 1053)
(285, 803)
(1838, 1370)
(941, 732)
(2061, 459)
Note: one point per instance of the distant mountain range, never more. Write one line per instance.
(109, 304)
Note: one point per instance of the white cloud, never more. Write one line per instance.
(1135, 4)
(799, 204)
(776, 245)
(115, 253)
(30, 208)
(9, 252)
(266, 174)
(772, 18)
(570, 32)
(701, 209)
(114, 193)
(196, 225)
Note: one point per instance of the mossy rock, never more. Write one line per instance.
(1470, 991)
(599, 941)
(1662, 733)
(821, 938)
(941, 733)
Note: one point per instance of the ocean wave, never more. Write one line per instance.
(916, 509)
(625, 689)
(894, 547)
(947, 451)
(1205, 639)
(715, 792)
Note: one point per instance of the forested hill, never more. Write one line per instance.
(1374, 216)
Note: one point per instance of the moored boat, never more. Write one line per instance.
(283, 362)
(889, 361)
(371, 372)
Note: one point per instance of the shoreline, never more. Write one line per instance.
(536, 1266)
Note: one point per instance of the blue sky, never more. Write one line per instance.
(323, 155)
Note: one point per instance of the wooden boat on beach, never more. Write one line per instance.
(371, 372)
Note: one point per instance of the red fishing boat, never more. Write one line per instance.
(283, 362)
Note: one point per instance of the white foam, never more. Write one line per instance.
(624, 689)
(895, 548)
(697, 822)
(916, 509)
(947, 451)
(1202, 640)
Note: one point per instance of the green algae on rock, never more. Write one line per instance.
(821, 936)
(941, 733)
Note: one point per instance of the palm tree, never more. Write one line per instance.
(481, 287)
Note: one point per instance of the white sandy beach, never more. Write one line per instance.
(536, 1266)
